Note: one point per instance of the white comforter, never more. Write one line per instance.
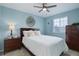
(45, 45)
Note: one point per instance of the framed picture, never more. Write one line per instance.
(30, 21)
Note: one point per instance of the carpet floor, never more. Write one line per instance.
(24, 52)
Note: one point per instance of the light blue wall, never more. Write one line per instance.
(1, 36)
(19, 18)
(73, 16)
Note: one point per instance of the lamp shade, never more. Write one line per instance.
(11, 26)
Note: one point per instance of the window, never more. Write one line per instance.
(59, 24)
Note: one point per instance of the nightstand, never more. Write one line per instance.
(12, 44)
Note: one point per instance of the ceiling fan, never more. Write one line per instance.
(44, 7)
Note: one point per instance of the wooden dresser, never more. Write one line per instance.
(12, 44)
(72, 37)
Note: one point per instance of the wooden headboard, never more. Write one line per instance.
(26, 29)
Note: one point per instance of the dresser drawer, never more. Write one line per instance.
(12, 44)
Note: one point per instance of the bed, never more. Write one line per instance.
(43, 45)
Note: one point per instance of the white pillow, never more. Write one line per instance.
(37, 33)
(28, 33)
(25, 33)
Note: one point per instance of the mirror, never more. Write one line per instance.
(30, 21)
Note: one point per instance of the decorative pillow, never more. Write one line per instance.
(25, 33)
(28, 33)
(37, 33)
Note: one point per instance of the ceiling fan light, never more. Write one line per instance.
(44, 9)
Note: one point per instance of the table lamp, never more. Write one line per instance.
(11, 28)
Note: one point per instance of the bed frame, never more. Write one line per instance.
(21, 35)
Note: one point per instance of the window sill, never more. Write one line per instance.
(58, 32)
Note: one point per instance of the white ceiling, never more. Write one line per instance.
(28, 7)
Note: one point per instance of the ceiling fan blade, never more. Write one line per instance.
(40, 10)
(50, 6)
(38, 7)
